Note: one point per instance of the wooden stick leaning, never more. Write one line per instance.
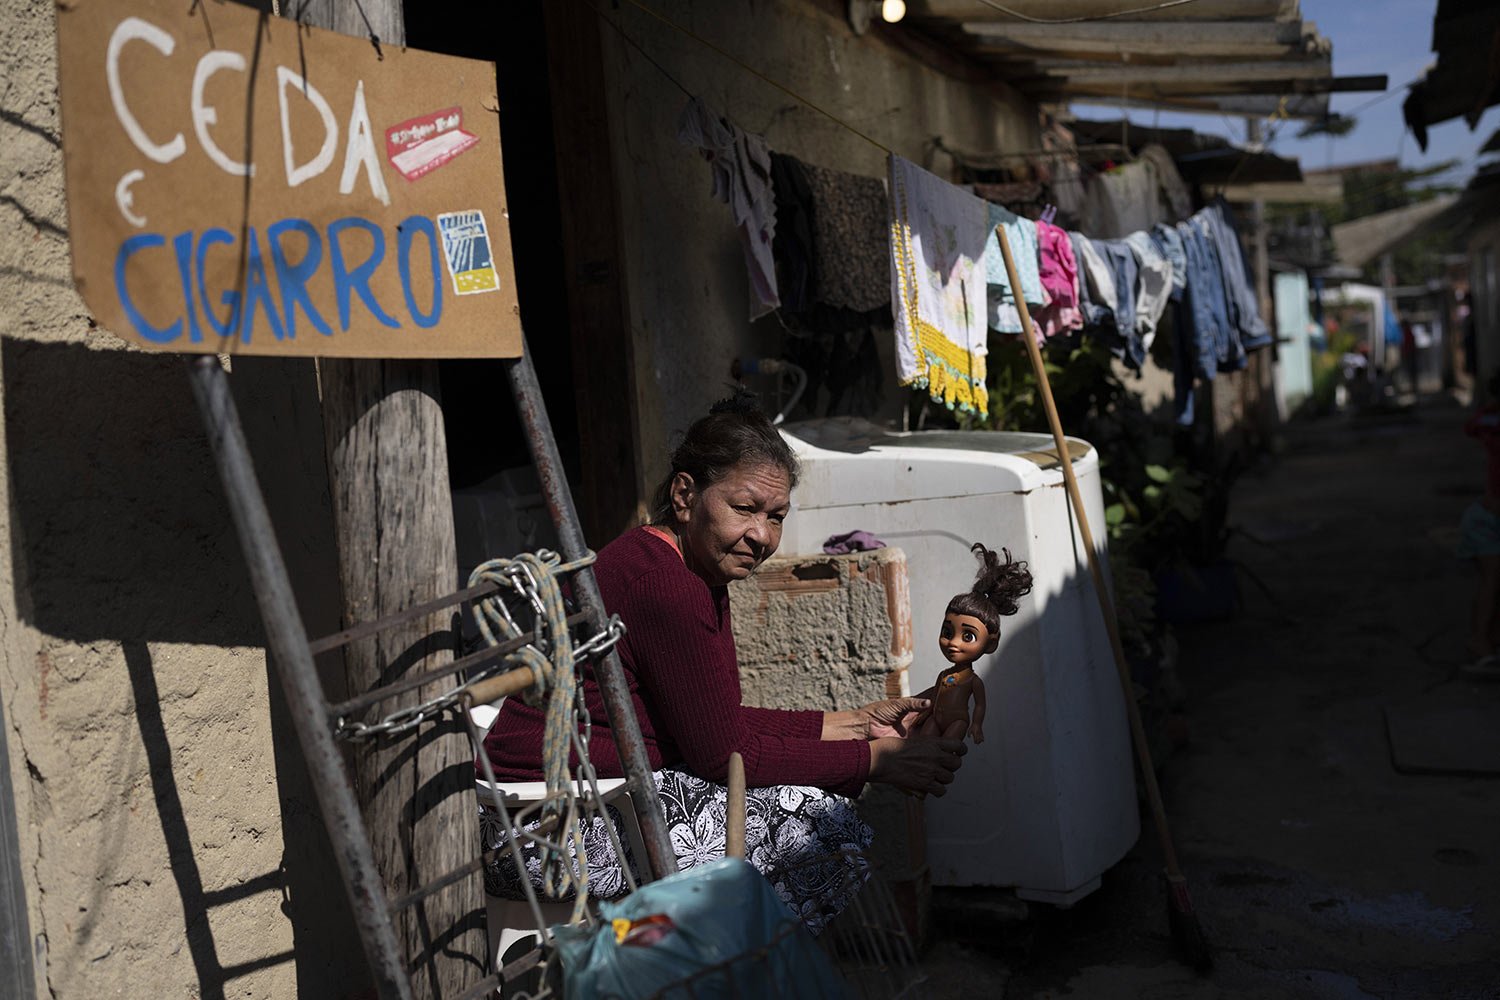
(1176, 880)
(734, 833)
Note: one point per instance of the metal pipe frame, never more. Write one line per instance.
(286, 639)
(527, 393)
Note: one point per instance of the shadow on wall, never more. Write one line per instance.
(121, 534)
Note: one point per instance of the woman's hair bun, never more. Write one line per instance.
(743, 402)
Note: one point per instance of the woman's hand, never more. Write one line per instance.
(921, 765)
(894, 717)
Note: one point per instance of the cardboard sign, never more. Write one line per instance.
(238, 183)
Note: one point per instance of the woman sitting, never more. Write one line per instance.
(717, 516)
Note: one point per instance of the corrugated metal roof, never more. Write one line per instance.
(1362, 240)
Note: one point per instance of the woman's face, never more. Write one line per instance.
(733, 525)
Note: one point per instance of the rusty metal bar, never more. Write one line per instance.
(286, 639)
(477, 658)
(486, 987)
(627, 731)
(365, 629)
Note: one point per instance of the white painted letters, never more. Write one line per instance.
(205, 115)
(295, 174)
(135, 29)
(125, 200)
(361, 150)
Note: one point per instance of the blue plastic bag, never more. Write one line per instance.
(719, 925)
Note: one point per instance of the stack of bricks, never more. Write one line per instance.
(833, 632)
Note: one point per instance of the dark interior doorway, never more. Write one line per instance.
(484, 433)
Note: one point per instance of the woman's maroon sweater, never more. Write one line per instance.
(684, 680)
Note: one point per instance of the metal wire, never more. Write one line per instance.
(1087, 17)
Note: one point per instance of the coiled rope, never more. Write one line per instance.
(534, 576)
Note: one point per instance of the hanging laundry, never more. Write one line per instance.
(1121, 201)
(1058, 270)
(1125, 339)
(793, 248)
(1244, 311)
(937, 240)
(1153, 286)
(1171, 192)
(1199, 321)
(1096, 287)
(1168, 243)
(850, 215)
(1229, 352)
(741, 166)
(1020, 233)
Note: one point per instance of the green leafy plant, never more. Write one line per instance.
(1160, 511)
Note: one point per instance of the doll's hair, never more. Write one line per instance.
(997, 589)
(735, 433)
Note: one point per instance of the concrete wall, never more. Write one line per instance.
(685, 275)
(169, 844)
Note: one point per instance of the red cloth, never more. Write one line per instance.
(1485, 425)
(684, 681)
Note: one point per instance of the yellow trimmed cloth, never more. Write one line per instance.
(938, 298)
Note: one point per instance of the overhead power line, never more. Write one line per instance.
(1090, 17)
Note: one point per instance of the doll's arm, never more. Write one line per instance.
(976, 725)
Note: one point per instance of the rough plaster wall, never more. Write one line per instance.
(169, 844)
(830, 633)
(685, 271)
(827, 648)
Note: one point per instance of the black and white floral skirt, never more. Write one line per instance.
(794, 835)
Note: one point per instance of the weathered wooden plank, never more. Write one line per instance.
(1207, 38)
(1287, 69)
(393, 517)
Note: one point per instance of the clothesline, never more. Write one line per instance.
(943, 252)
(947, 288)
(949, 361)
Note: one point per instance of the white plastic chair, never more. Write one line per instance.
(511, 920)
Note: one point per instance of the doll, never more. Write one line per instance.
(971, 628)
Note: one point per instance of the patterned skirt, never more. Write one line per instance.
(793, 835)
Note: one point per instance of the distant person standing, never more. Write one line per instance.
(1409, 353)
(1480, 540)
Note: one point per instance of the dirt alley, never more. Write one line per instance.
(1318, 870)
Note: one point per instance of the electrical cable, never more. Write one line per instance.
(637, 46)
(1088, 17)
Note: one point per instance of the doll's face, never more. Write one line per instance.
(964, 638)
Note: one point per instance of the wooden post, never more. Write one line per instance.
(1263, 363)
(393, 517)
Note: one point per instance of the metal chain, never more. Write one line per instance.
(523, 582)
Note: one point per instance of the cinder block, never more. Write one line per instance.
(834, 632)
(824, 632)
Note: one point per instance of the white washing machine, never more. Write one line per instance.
(1047, 803)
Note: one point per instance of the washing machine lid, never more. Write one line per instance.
(846, 460)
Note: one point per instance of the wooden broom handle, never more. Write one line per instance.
(1106, 605)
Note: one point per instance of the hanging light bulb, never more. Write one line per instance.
(892, 11)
